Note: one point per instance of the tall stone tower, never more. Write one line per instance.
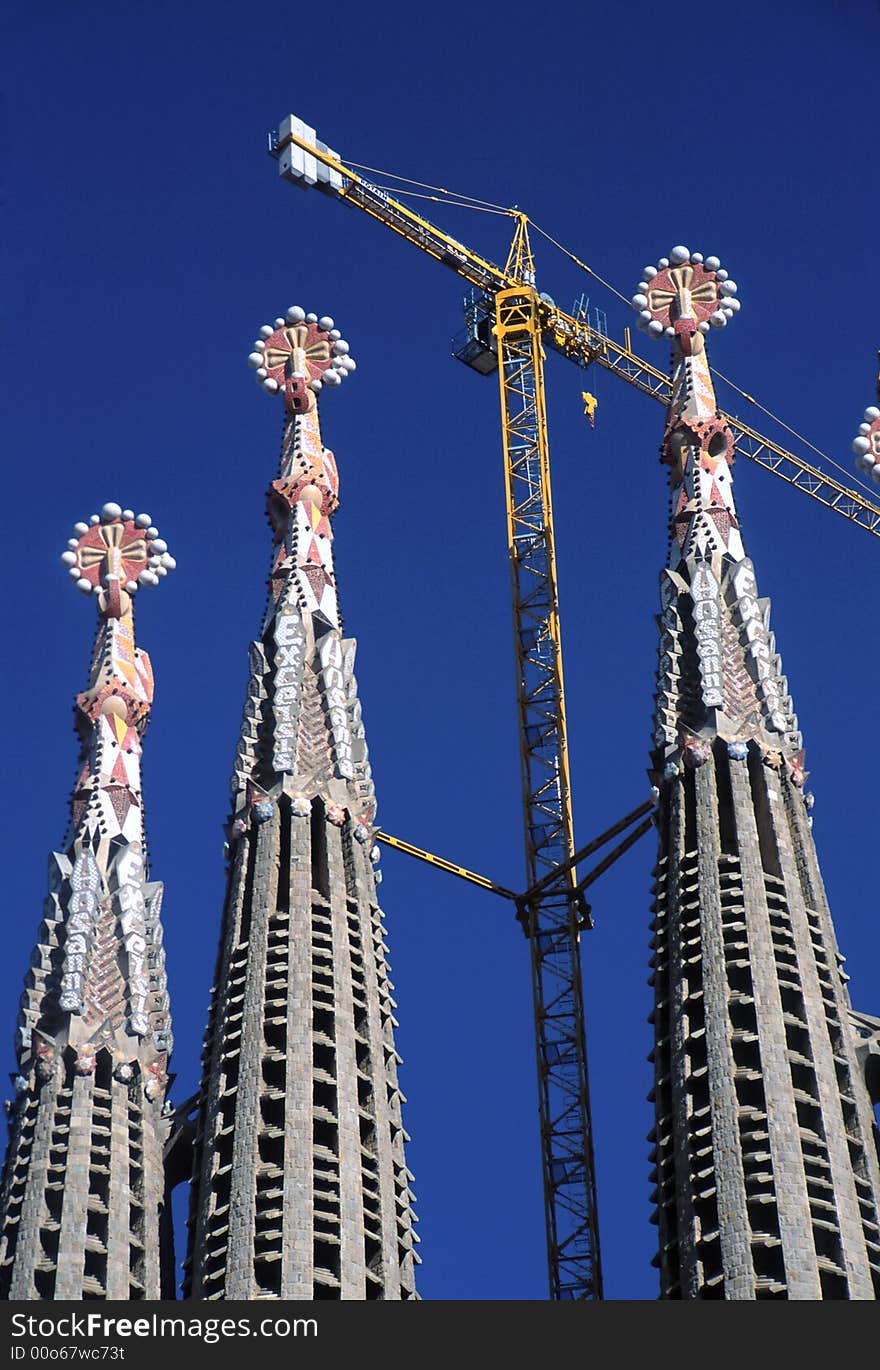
(300, 1186)
(82, 1202)
(765, 1160)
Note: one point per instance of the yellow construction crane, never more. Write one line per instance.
(509, 326)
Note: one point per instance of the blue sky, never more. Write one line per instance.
(150, 238)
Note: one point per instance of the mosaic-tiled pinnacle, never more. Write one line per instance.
(300, 1188)
(765, 1163)
(83, 1186)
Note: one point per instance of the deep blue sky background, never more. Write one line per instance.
(151, 236)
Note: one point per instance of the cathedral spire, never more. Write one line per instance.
(766, 1170)
(300, 1186)
(94, 1028)
(738, 691)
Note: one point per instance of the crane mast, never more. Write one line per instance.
(554, 911)
(551, 917)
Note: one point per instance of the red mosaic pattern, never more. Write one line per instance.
(307, 344)
(123, 543)
(668, 284)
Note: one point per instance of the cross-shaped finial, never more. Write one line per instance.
(682, 296)
(115, 553)
(298, 356)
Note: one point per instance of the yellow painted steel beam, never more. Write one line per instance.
(440, 863)
(532, 556)
(576, 340)
(405, 221)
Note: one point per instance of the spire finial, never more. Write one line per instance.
(682, 296)
(298, 356)
(866, 443)
(115, 553)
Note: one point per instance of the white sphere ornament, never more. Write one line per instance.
(639, 301)
(168, 561)
(729, 287)
(860, 446)
(266, 331)
(261, 373)
(696, 257)
(152, 532)
(255, 359)
(649, 273)
(872, 413)
(315, 385)
(94, 518)
(311, 318)
(680, 254)
(703, 326)
(131, 586)
(875, 474)
(160, 545)
(128, 515)
(341, 348)
(295, 314)
(279, 323)
(143, 520)
(74, 573)
(84, 585)
(111, 511)
(73, 543)
(270, 385)
(68, 558)
(330, 377)
(260, 345)
(712, 263)
(335, 333)
(718, 319)
(864, 428)
(80, 528)
(655, 328)
(326, 323)
(670, 331)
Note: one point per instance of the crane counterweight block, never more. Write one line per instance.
(300, 166)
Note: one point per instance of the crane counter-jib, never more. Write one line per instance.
(306, 161)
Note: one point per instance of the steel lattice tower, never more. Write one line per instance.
(765, 1159)
(300, 1184)
(83, 1212)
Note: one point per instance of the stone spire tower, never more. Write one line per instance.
(300, 1186)
(765, 1159)
(83, 1186)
